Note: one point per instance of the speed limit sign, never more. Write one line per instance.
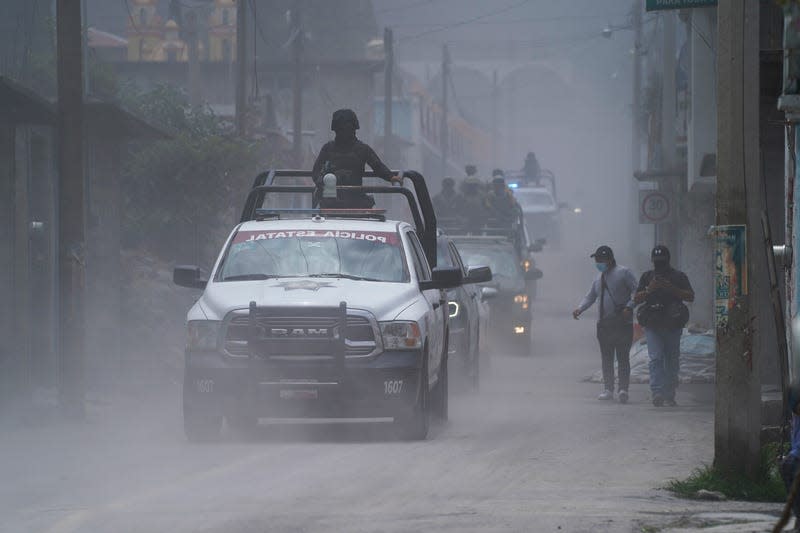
(654, 207)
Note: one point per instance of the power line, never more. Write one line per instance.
(503, 22)
(404, 7)
(130, 17)
(469, 20)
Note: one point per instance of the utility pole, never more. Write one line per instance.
(297, 90)
(494, 118)
(737, 421)
(193, 59)
(636, 133)
(71, 246)
(636, 143)
(388, 140)
(241, 66)
(443, 141)
(665, 232)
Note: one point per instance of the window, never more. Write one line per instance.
(226, 17)
(142, 16)
(457, 257)
(421, 265)
(366, 255)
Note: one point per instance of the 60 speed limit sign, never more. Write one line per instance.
(654, 207)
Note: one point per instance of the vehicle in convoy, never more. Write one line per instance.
(541, 212)
(468, 312)
(511, 314)
(320, 315)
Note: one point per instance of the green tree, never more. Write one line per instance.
(182, 195)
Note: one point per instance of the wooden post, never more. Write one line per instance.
(388, 47)
(241, 66)
(70, 131)
(444, 134)
(737, 422)
(297, 89)
(193, 67)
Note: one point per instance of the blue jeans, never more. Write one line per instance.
(664, 348)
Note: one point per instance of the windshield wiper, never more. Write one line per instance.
(243, 277)
(345, 276)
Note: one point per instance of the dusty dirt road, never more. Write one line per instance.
(534, 451)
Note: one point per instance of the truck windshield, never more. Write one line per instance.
(361, 255)
(534, 198)
(502, 261)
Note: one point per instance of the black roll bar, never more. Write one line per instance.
(419, 201)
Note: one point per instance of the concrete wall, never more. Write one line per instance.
(6, 257)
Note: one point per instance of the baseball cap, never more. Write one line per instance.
(603, 252)
(660, 251)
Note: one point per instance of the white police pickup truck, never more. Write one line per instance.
(323, 315)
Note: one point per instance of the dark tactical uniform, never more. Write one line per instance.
(447, 204)
(345, 156)
(500, 204)
(473, 207)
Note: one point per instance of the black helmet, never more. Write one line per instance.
(498, 172)
(342, 117)
(448, 183)
(470, 170)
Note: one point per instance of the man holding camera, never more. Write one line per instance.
(663, 316)
(614, 286)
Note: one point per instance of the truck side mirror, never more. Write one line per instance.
(189, 276)
(443, 278)
(479, 274)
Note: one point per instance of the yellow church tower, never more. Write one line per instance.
(145, 31)
(222, 31)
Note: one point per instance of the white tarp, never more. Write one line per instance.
(697, 360)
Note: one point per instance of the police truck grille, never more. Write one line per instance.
(301, 335)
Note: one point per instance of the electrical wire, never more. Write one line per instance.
(404, 7)
(502, 22)
(130, 17)
(468, 21)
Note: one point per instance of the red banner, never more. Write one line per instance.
(383, 237)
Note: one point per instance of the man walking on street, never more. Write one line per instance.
(614, 286)
(663, 317)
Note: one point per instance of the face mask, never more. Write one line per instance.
(602, 267)
(660, 264)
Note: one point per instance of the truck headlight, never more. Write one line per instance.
(202, 335)
(401, 335)
(522, 300)
(453, 308)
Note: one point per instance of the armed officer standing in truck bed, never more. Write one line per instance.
(345, 156)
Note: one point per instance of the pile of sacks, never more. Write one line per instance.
(698, 363)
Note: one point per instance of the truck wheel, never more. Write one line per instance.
(525, 346)
(243, 423)
(201, 427)
(414, 426)
(441, 393)
(475, 373)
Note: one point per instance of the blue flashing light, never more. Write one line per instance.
(513, 185)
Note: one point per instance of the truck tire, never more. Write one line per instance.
(475, 371)
(243, 423)
(201, 427)
(414, 425)
(440, 396)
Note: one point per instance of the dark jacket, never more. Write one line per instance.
(346, 159)
(660, 300)
(448, 206)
